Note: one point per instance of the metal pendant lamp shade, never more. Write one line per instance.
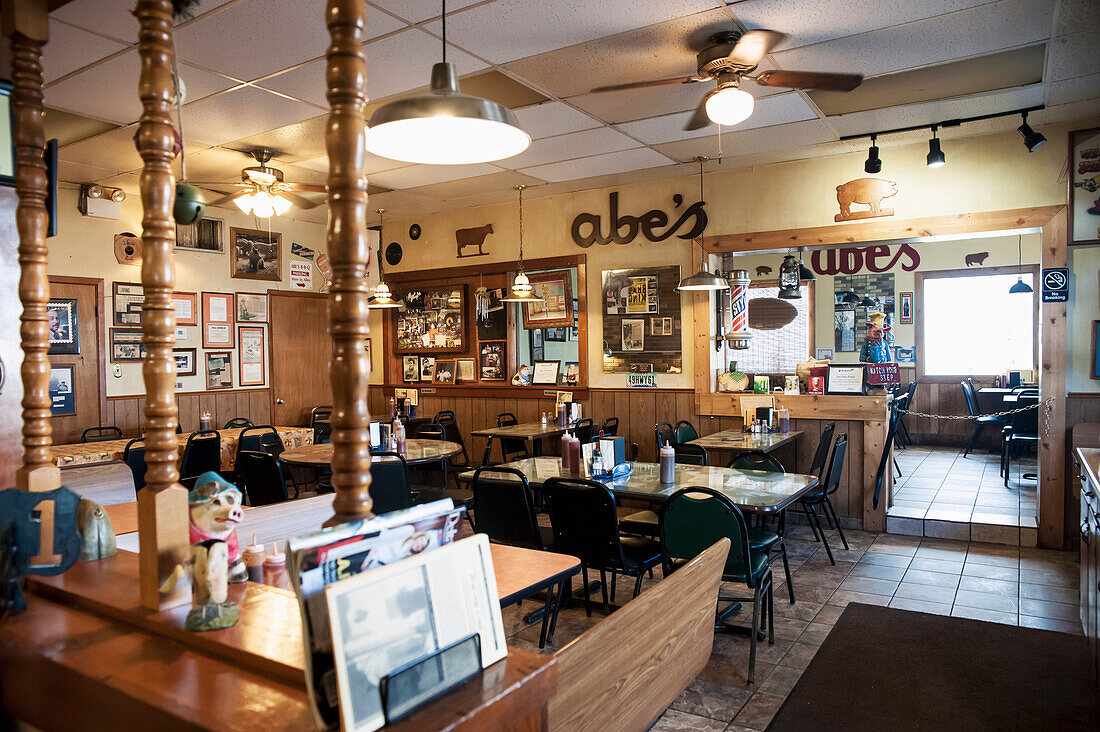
(851, 298)
(866, 302)
(1021, 287)
(702, 281)
(382, 297)
(521, 288)
(789, 283)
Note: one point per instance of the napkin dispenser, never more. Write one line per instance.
(614, 446)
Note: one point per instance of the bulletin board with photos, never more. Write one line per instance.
(642, 320)
(432, 321)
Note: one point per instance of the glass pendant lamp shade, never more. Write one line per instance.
(382, 298)
(730, 105)
(244, 203)
(789, 279)
(521, 290)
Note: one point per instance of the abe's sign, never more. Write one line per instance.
(588, 228)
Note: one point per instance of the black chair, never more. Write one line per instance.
(389, 483)
(980, 421)
(238, 423)
(664, 433)
(756, 460)
(318, 415)
(685, 432)
(584, 430)
(432, 431)
(263, 477)
(1022, 430)
(511, 448)
(821, 455)
(902, 403)
(263, 438)
(691, 455)
(322, 434)
(693, 520)
(586, 526)
(884, 461)
(505, 509)
(134, 456)
(203, 452)
(452, 433)
(610, 427)
(820, 497)
(101, 434)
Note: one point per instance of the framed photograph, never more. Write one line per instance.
(217, 320)
(126, 345)
(660, 326)
(185, 361)
(633, 334)
(256, 254)
(465, 370)
(444, 371)
(208, 235)
(1084, 186)
(219, 370)
(556, 334)
(410, 369)
(844, 330)
(824, 353)
(186, 305)
(1095, 374)
(845, 380)
(64, 327)
(905, 354)
(905, 314)
(546, 373)
(572, 375)
(251, 307)
(491, 359)
(251, 359)
(62, 394)
(432, 321)
(427, 368)
(556, 308)
(127, 298)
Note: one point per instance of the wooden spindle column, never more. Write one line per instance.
(162, 504)
(346, 75)
(25, 23)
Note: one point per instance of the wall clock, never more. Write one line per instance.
(414, 232)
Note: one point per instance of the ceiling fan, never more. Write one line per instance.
(731, 57)
(263, 191)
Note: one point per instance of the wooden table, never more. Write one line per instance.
(533, 431)
(739, 442)
(416, 452)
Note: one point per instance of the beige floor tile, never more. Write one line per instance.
(1063, 626)
(781, 680)
(877, 571)
(923, 606)
(869, 584)
(799, 656)
(896, 524)
(759, 711)
(992, 616)
(1053, 579)
(841, 598)
(927, 593)
(1047, 609)
(935, 579)
(708, 699)
(885, 560)
(946, 566)
(986, 584)
(1069, 595)
(815, 633)
(674, 720)
(991, 560)
(828, 615)
(988, 601)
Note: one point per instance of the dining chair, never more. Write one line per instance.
(320, 414)
(101, 434)
(693, 520)
(663, 433)
(505, 509)
(238, 423)
(1023, 429)
(583, 516)
(974, 409)
(756, 460)
(903, 439)
(389, 483)
(610, 427)
(647, 523)
(584, 430)
(820, 497)
(202, 453)
(452, 433)
(263, 478)
(134, 456)
(685, 432)
(511, 448)
(263, 438)
(691, 455)
(821, 454)
(761, 537)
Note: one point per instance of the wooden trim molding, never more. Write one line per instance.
(448, 273)
(246, 390)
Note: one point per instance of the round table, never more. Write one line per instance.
(416, 452)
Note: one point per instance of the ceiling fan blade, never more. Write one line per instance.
(754, 46)
(307, 187)
(299, 201)
(809, 80)
(215, 183)
(700, 119)
(644, 84)
(223, 200)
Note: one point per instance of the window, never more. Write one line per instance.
(778, 351)
(972, 325)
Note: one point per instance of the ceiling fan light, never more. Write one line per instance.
(244, 203)
(280, 204)
(730, 105)
(262, 205)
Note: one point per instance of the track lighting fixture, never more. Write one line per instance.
(1032, 139)
(874, 162)
(936, 158)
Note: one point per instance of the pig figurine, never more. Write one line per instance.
(211, 608)
(869, 191)
(97, 534)
(215, 507)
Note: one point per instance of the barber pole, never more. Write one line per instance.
(738, 336)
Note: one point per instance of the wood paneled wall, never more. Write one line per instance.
(254, 404)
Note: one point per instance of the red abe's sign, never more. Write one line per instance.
(876, 258)
(880, 374)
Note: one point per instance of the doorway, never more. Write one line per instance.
(300, 355)
(82, 299)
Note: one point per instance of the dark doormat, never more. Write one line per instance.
(887, 669)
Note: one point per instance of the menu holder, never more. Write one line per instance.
(406, 689)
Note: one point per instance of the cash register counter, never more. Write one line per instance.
(865, 419)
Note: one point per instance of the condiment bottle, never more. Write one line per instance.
(399, 436)
(567, 454)
(668, 465)
(275, 571)
(206, 422)
(575, 454)
(393, 408)
(784, 420)
(254, 560)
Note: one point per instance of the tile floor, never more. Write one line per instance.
(998, 583)
(943, 494)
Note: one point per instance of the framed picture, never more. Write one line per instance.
(127, 298)
(845, 380)
(251, 359)
(185, 361)
(251, 307)
(126, 345)
(444, 371)
(572, 375)
(217, 320)
(219, 370)
(905, 354)
(844, 330)
(370, 353)
(465, 370)
(64, 327)
(556, 334)
(1095, 374)
(905, 315)
(207, 235)
(491, 360)
(410, 369)
(546, 372)
(432, 321)
(1084, 186)
(660, 326)
(186, 305)
(823, 353)
(256, 254)
(427, 368)
(62, 393)
(556, 308)
(633, 334)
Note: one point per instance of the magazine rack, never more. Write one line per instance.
(413, 685)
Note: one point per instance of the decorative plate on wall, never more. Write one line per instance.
(393, 253)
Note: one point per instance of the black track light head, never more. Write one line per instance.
(936, 158)
(874, 162)
(1032, 139)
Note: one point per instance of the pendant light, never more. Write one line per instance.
(702, 280)
(936, 158)
(444, 126)
(383, 298)
(850, 298)
(521, 288)
(1020, 287)
(789, 282)
(866, 302)
(805, 274)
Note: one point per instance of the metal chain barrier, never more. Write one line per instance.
(1046, 404)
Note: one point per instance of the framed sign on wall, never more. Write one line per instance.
(64, 327)
(217, 320)
(432, 321)
(845, 379)
(127, 298)
(251, 359)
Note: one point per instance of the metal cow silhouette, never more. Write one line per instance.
(474, 237)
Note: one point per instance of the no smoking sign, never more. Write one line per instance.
(1056, 284)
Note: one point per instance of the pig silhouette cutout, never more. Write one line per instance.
(763, 271)
(867, 191)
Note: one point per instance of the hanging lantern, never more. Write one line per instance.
(789, 279)
(739, 336)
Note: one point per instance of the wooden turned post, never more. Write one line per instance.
(346, 74)
(162, 504)
(25, 23)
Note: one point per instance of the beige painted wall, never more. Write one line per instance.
(1084, 309)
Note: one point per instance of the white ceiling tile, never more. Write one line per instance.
(423, 175)
(1073, 90)
(1072, 56)
(373, 164)
(76, 173)
(1077, 15)
(553, 118)
(217, 164)
(395, 64)
(573, 145)
(112, 150)
(984, 29)
(615, 162)
(745, 142)
(506, 31)
(773, 110)
(239, 113)
(109, 91)
(115, 18)
(71, 48)
(417, 11)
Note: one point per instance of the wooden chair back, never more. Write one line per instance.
(621, 674)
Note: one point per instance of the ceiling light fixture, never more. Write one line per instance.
(1032, 139)
(702, 280)
(936, 158)
(866, 302)
(850, 298)
(730, 104)
(521, 288)
(805, 274)
(382, 298)
(1020, 287)
(444, 126)
(874, 162)
(789, 281)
